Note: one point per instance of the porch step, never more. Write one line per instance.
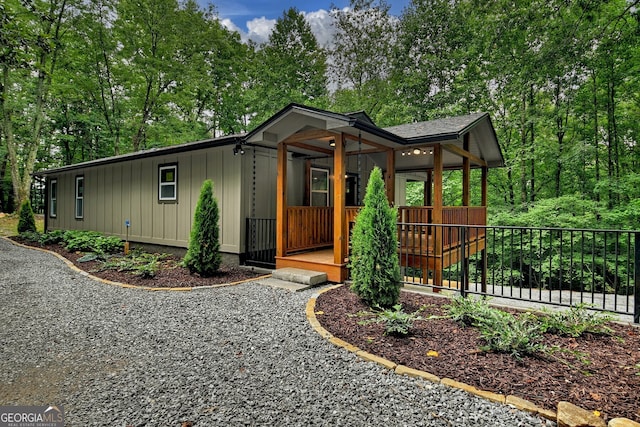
(298, 275)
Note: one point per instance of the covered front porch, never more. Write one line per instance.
(333, 154)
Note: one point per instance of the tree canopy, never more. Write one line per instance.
(560, 79)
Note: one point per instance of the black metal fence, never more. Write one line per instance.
(550, 266)
(261, 242)
(600, 268)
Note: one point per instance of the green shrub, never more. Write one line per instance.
(91, 241)
(30, 236)
(52, 237)
(137, 262)
(576, 321)
(27, 221)
(203, 256)
(517, 335)
(375, 269)
(467, 310)
(397, 322)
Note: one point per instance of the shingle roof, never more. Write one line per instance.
(436, 128)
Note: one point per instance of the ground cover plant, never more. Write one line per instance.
(597, 369)
(102, 256)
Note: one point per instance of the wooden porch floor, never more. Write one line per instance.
(319, 260)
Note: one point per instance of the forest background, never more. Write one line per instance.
(85, 79)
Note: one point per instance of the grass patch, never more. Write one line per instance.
(9, 224)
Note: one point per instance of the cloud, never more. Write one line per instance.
(259, 29)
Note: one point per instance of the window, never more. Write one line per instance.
(319, 187)
(79, 197)
(167, 190)
(53, 198)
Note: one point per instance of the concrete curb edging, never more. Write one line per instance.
(515, 401)
(75, 268)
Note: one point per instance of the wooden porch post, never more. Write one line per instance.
(437, 213)
(427, 188)
(391, 176)
(466, 173)
(281, 202)
(339, 169)
(466, 188)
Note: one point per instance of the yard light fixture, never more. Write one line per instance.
(238, 150)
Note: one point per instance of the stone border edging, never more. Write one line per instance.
(72, 266)
(522, 404)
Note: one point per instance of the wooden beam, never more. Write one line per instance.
(281, 201)
(311, 134)
(390, 177)
(339, 196)
(464, 154)
(366, 141)
(310, 147)
(466, 173)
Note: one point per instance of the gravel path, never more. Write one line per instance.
(243, 355)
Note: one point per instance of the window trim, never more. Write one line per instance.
(326, 192)
(53, 212)
(164, 167)
(77, 198)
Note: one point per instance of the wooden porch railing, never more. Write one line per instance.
(311, 227)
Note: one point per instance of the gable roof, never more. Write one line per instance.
(296, 118)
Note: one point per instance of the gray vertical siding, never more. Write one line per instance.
(129, 190)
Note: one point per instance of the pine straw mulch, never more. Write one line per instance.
(595, 372)
(170, 274)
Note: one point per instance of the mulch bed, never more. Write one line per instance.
(608, 383)
(170, 275)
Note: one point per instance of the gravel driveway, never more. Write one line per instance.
(243, 355)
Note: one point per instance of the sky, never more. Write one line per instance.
(254, 19)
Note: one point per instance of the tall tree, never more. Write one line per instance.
(361, 58)
(290, 67)
(32, 34)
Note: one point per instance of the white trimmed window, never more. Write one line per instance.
(53, 198)
(79, 197)
(319, 187)
(168, 183)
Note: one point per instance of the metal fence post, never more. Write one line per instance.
(465, 262)
(636, 279)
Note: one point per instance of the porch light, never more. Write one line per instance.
(238, 150)
(417, 151)
(332, 143)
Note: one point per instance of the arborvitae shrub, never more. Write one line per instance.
(375, 269)
(203, 256)
(26, 222)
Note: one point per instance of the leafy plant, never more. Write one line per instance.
(91, 241)
(396, 321)
(517, 335)
(575, 321)
(137, 262)
(52, 237)
(27, 221)
(467, 311)
(203, 256)
(375, 268)
(30, 236)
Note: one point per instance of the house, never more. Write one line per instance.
(304, 167)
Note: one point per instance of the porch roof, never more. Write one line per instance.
(310, 131)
